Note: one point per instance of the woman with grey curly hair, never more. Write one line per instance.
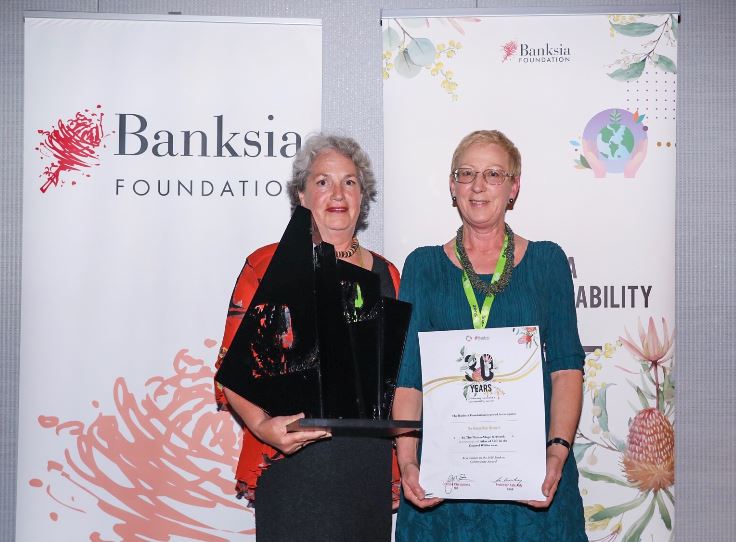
(311, 495)
(347, 147)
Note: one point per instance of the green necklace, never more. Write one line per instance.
(507, 252)
(500, 279)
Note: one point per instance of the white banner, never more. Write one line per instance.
(590, 102)
(156, 153)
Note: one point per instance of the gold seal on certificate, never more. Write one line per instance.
(483, 431)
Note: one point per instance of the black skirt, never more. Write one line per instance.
(333, 490)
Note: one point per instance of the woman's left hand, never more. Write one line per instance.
(567, 400)
(555, 462)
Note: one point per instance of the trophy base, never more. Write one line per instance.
(356, 427)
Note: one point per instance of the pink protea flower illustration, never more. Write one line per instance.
(647, 457)
(509, 49)
(477, 376)
(649, 460)
(650, 349)
(156, 454)
(527, 334)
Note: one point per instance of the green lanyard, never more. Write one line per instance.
(480, 316)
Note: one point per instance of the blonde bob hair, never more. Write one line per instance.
(488, 137)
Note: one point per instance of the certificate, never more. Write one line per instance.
(483, 433)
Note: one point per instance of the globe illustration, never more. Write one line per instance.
(615, 142)
(614, 133)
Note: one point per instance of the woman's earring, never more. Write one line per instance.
(454, 201)
(511, 201)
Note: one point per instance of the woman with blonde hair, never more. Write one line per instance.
(488, 276)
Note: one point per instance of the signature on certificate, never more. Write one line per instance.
(509, 483)
(455, 482)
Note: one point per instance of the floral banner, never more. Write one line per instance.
(155, 155)
(590, 101)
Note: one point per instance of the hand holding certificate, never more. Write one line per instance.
(483, 412)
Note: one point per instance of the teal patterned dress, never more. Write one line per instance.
(540, 292)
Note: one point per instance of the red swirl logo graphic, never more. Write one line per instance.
(72, 146)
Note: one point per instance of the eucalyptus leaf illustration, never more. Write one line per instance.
(675, 25)
(666, 518)
(646, 377)
(618, 443)
(407, 53)
(660, 400)
(669, 495)
(635, 29)
(580, 161)
(668, 388)
(665, 63)
(613, 511)
(642, 397)
(637, 528)
(600, 401)
(404, 66)
(391, 39)
(579, 449)
(602, 477)
(421, 51)
(634, 63)
(634, 71)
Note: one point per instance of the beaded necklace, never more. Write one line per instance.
(470, 279)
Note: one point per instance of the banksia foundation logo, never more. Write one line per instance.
(509, 49)
(71, 146)
(537, 52)
(614, 141)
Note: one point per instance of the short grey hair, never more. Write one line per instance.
(349, 148)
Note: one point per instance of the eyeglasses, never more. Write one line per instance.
(493, 176)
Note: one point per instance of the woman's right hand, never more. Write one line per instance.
(408, 406)
(413, 492)
(273, 431)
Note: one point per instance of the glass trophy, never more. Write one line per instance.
(320, 338)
